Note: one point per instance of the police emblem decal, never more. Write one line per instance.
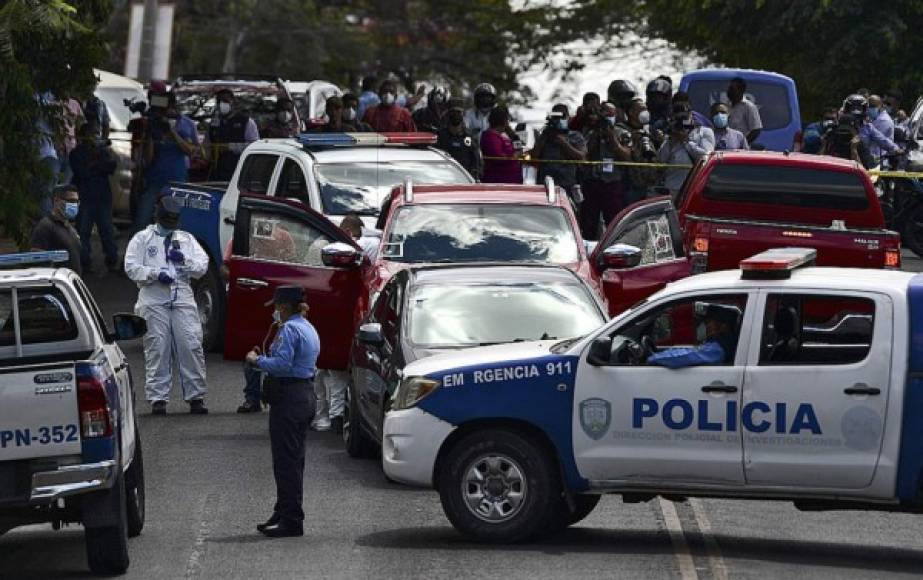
(595, 417)
(151, 251)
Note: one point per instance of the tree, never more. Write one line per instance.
(45, 46)
(831, 48)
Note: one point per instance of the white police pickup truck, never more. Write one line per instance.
(817, 400)
(69, 445)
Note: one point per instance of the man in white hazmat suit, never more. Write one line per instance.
(162, 260)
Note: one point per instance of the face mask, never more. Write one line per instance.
(720, 120)
(439, 98)
(164, 231)
(224, 108)
(644, 117)
(611, 121)
(874, 112)
(171, 123)
(284, 117)
(71, 208)
(561, 124)
(276, 316)
(349, 114)
(387, 98)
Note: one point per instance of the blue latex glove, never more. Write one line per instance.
(175, 255)
(165, 278)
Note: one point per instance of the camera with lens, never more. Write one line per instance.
(135, 106)
(682, 123)
(646, 145)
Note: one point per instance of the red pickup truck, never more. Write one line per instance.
(736, 204)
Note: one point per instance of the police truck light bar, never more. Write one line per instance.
(320, 140)
(33, 259)
(777, 263)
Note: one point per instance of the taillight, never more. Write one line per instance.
(95, 420)
(700, 245)
(893, 258)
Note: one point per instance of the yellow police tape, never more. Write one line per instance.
(529, 161)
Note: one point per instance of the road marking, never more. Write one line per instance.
(194, 564)
(678, 539)
(719, 570)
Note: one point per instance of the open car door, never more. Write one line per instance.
(281, 242)
(641, 251)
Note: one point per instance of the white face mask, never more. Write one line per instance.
(224, 108)
(644, 117)
(349, 114)
(388, 98)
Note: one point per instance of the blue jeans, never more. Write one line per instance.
(96, 210)
(147, 202)
(252, 387)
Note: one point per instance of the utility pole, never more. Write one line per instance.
(148, 36)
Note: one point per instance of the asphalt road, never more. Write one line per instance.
(209, 481)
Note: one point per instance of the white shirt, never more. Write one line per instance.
(745, 117)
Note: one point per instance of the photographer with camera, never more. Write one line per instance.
(604, 184)
(644, 147)
(853, 136)
(92, 162)
(168, 140)
(679, 149)
(812, 141)
(558, 142)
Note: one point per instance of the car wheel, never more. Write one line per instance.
(499, 486)
(354, 438)
(209, 297)
(107, 547)
(912, 231)
(134, 490)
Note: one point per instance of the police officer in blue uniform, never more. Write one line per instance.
(290, 366)
(719, 345)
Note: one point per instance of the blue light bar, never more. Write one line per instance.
(326, 139)
(33, 259)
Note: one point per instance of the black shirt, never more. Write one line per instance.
(462, 148)
(51, 234)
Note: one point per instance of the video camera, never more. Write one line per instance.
(135, 106)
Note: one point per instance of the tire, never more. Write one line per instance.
(134, 491)
(107, 548)
(526, 499)
(210, 300)
(912, 230)
(355, 440)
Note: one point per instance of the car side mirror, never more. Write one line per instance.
(619, 256)
(370, 333)
(600, 354)
(128, 327)
(340, 255)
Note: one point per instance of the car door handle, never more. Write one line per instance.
(251, 283)
(861, 389)
(719, 389)
(230, 221)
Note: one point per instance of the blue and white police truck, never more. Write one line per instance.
(816, 399)
(70, 450)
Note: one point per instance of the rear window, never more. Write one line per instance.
(770, 98)
(44, 316)
(786, 186)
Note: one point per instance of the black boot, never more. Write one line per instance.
(197, 407)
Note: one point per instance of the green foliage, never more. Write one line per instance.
(830, 48)
(45, 45)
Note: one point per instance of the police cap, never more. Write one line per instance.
(287, 295)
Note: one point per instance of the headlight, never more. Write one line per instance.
(411, 390)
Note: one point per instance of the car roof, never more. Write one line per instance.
(786, 159)
(108, 80)
(480, 273)
(729, 73)
(358, 153)
(815, 278)
(33, 276)
(483, 193)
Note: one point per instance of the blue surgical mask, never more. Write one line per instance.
(163, 231)
(720, 120)
(276, 317)
(874, 112)
(71, 208)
